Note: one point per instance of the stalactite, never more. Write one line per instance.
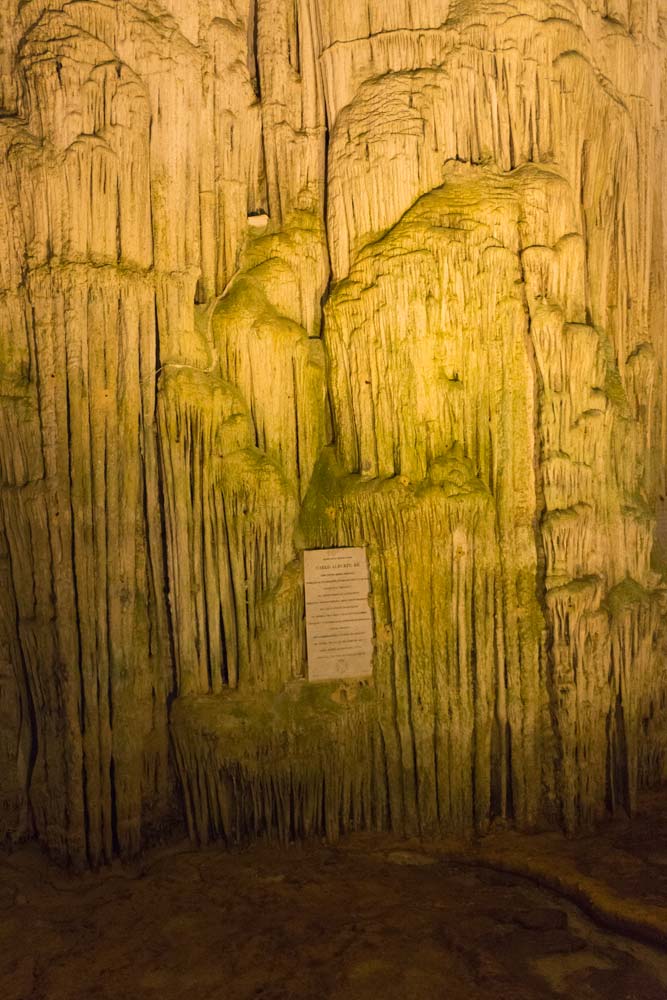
(307, 762)
(436, 580)
(230, 517)
(260, 316)
(281, 274)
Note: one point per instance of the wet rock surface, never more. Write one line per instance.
(356, 922)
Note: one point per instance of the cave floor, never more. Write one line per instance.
(368, 919)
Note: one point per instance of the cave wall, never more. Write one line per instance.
(282, 274)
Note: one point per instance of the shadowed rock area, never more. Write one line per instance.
(372, 917)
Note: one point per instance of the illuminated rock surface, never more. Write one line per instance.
(280, 275)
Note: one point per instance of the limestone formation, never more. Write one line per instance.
(289, 274)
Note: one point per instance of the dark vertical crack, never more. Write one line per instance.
(296, 423)
(224, 667)
(253, 56)
(232, 675)
(294, 39)
(478, 820)
(202, 539)
(545, 649)
(162, 515)
(115, 839)
(26, 700)
(76, 609)
(584, 222)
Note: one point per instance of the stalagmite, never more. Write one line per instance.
(291, 274)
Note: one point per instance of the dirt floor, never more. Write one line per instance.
(368, 919)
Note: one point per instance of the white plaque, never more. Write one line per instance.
(339, 622)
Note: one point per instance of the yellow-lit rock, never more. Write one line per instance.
(278, 275)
